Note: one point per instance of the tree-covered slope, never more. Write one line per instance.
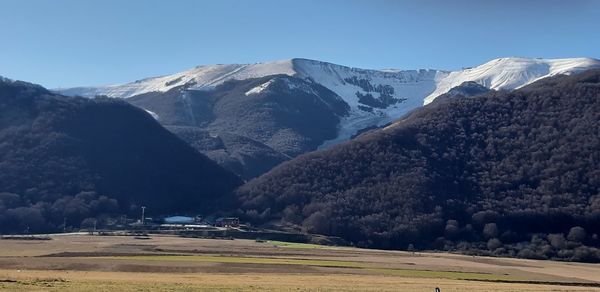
(64, 157)
(510, 173)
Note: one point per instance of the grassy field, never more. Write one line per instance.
(110, 281)
(322, 263)
(163, 263)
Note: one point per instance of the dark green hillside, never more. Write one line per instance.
(76, 158)
(506, 173)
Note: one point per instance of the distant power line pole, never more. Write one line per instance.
(143, 212)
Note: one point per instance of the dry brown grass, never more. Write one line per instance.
(127, 281)
(162, 263)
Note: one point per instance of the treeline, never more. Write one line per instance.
(17, 215)
(504, 173)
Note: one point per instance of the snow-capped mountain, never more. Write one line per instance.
(375, 97)
(511, 73)
(201, 77)
(267, 113)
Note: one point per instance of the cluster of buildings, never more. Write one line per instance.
(191, 223)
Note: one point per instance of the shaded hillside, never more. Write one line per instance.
(267, 119)
(506, 173)
(469, 88)
(64, 157)
(237, 153)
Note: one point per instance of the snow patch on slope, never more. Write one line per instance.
(153, 114)
(409, 86)
(259, 89)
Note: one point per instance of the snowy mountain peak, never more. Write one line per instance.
(196, 78)
(512, 73)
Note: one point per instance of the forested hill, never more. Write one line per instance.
(507, 173)
(74, 158)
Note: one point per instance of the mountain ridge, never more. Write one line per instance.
(292, 67)
(374, 98)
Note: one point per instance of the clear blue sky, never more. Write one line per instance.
(80, 42)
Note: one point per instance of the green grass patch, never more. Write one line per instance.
(298, 245)
(241, 260)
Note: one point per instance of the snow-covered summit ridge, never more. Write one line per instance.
(195, 78)
(511, 73)
(503, 73)
(208, 76)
